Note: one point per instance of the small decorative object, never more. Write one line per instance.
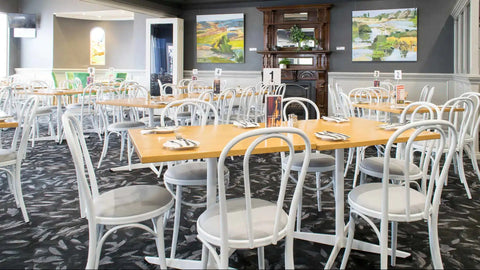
(194, 74)
(292, 120)
(216, 86)
(283, 63)
(400, 94)
(273, 109)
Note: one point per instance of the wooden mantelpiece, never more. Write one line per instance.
(316, 18)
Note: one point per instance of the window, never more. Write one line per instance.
(97, 46)
(3, 45)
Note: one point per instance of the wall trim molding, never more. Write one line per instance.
(458, 8)
(390, 76)
(226, 73)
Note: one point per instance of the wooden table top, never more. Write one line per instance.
(156, 102)
(5, 124)
(53, 92)
(394, 108)
(213, 139)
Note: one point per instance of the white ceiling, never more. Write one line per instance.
(103, 15)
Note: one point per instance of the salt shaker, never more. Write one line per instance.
(292, 120)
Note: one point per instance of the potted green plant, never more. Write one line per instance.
(283, 63)
(303, 41)
(296, 35)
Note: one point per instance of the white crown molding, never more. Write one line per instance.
(458, 8)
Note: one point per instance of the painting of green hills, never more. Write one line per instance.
(220, 38)
(384, 35)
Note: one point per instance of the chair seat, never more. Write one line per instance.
(132, 203)
(263, 217)
(368, 197)
(44, 110)
(375, 165)
(317, 161)
(190, 173)
(7, 155)
(122, 126)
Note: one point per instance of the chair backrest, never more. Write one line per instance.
(285, 135)
(302, 102)
(184, 82)
(427, 93)
(433, 112)
(200, 111)
(277, 89)
(364, 95)
(431, 184)
(25, 120)
(335, 99)
(86, 179)
(39, 84)
(475, 124)
(82, 76)
(460, 114)
(346, 106)
(197, 86)
(54, 78)
(224, 104)
(246, 102)
(168, 87)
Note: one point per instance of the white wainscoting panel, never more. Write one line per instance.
(45, 74)
(242, 78)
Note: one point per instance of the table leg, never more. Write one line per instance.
(151, 117)
(59, 118)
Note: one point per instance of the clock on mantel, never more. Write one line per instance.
(305, 65)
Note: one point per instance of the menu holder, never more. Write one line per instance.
(273, 107)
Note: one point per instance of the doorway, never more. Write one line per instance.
(164, 52)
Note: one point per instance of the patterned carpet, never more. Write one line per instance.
(56, 237)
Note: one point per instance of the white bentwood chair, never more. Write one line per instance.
(121, 207)
(11, 159)
(251, 222)
(190, 173)
(319, 163)
(405, 201)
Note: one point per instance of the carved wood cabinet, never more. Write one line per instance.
(305, 64)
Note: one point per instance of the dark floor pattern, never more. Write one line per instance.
(56, 237)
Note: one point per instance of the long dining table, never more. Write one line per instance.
(213, 138)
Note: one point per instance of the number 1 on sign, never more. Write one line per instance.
(271, 76)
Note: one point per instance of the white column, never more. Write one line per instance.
(474, 28)
(455, 45)
(465, 41)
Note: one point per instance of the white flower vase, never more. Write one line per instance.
(282, 66)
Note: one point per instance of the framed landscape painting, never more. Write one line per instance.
(384, 35)
(220, 38)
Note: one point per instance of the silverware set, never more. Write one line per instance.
(333, 135)
(187, 142)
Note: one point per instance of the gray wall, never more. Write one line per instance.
(71, 44)
(435, 35)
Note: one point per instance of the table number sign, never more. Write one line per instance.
(218, 72)
(194, 74)
(273, 107)
(272, 76)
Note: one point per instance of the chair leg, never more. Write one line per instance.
(434, 244)
(205, 255)
(357, 165)
(18, 191)
(461, 173)
(129, 152)
(92, 246)
(349, 160)
(261, 257)
(393, 258)
(104, 150)
(348, 247)
(471, 153)
(160, 241)
(319, 192)
(176, 220)
(289, 260)
(122, 145)
(299, 212)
